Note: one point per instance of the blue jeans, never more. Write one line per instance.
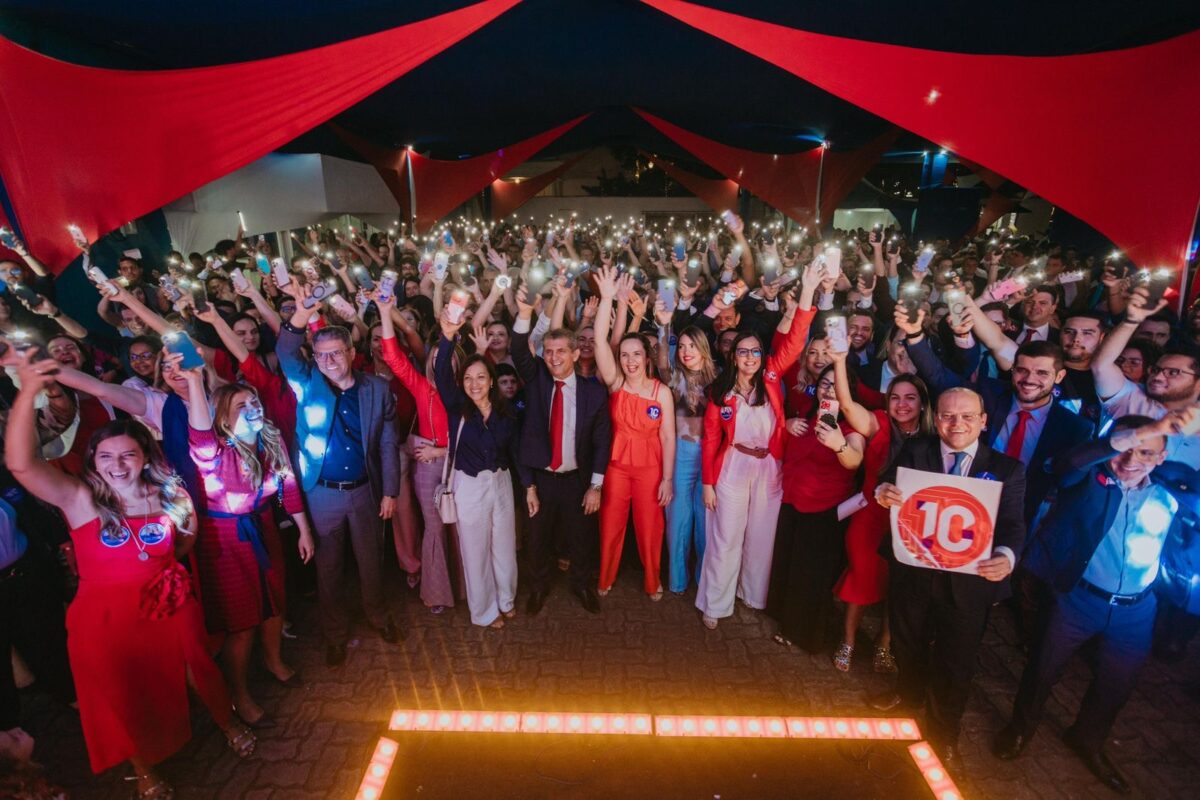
(685, 516)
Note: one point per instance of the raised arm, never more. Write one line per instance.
(128, 400)
(1109, 378)
(522, 356)
(931, 368)
(199, 416)
(21, 446)
(1002, 348)
(859, 417)
(606, 364)
(268, 313)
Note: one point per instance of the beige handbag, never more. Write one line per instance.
(443, 495)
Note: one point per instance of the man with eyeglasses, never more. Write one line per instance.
(1099, 549)
(347, 451)
(1172, 384)
(938, 617)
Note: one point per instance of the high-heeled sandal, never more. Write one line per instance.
(842, 656)
(709, 622)
(497, 623)
(656, 596)
(884, 662)
(243, 743)
(160, 790)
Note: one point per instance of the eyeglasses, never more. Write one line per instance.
(824, 386)
(1170, 372)
(1121, 361)
(332, 355)
(746, 352)
(1146, 456)
(952, 418)
(141, 356)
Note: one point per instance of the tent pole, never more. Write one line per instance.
(412, 192)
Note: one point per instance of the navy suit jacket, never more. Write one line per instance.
(1062, 431)
(925, 454)
(593, 426)
(1087, 503)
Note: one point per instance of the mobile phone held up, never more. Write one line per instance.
(692, 276)
(1156, 281)
(387, 285)
(238, 278)
(280, 271)
(956, 301)
(457, 306)
(910, 301)
(680, 249)
(179, 342)
(666, 293)
(362, 277)
(835, 334)
(827, 412)
(832, 262)
(924, 260)
(320, 291)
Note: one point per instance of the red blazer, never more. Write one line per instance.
(720, 418)
(431, 414)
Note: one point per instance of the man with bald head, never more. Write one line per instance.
(938, 617)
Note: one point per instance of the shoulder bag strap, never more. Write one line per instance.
(448, 466)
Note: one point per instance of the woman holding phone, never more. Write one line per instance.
(864, 583)
(742, 451)
(135, 633)
(821, 456)
(640, 469)
(483, 445)
(244, 467)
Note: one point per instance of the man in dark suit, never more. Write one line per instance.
(565, 441)
(1027, 421)
(1100, 551)
(347, 451)
(949, 609)
(1038, 309)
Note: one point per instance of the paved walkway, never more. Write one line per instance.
(636, 655)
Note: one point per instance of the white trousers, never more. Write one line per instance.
(741, 535)
(487, 542)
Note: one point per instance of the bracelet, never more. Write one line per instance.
(843, 448)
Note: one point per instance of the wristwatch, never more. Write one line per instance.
(595, 487)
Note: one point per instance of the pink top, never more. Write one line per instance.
(227, 487)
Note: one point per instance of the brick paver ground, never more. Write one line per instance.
(636, 655)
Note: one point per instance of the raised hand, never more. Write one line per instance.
(607, 282)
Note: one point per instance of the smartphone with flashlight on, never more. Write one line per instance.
(956, 301)
(666, 293)
(910, 301)
(692, 274)
(179, 342)
(457, 306)
(832, 262)
(238, 278)
(362, 277)
(680, 252)
(836, 335)
(1156, 281)
(199, 296)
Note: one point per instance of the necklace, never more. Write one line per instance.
(137, 539)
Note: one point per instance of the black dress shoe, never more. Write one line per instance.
(537, 601)
(589, 599)
(335, 655)
(1098, 764)
(1009, 744)
(391, 632)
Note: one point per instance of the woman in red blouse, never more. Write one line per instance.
(820, 464)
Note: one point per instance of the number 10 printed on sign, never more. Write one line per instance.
(946, 522)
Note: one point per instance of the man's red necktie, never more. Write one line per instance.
(556, 426)
(1028, 337)
(1016, 440)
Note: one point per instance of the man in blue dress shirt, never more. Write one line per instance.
(1099, 549)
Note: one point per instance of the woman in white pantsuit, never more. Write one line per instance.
(741, 450)
(483, 441)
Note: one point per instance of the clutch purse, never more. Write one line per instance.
(165, 593)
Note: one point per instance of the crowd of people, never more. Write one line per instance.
(739, 397)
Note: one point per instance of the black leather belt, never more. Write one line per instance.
(341, 486)
(1113, 599)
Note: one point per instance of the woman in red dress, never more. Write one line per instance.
(864, 583)
(243, 465)
(135, 633)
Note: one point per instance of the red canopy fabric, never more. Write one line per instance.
(1119, 154)
(719, 194)
(508, 196)
(787, 182)
(845, 168)
(62, 162)
(441, 186)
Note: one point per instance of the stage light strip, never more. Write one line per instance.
(704, 725)
(940, 782)
(378, 770)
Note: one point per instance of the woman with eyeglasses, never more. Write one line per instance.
(639, 475)
(1136, 358)
(821, 456)
(141, 362)
(909, 413)
(742, 450)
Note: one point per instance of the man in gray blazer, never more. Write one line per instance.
(348, 459)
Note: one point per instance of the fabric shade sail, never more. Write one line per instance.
(997, 204)
(62, 163)
(788, 182)
(1109, 136)
(720, 194)
(438, 187)
(508, 196)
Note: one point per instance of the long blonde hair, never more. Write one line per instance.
(689, 385)
(269, 438)
(157, 475)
